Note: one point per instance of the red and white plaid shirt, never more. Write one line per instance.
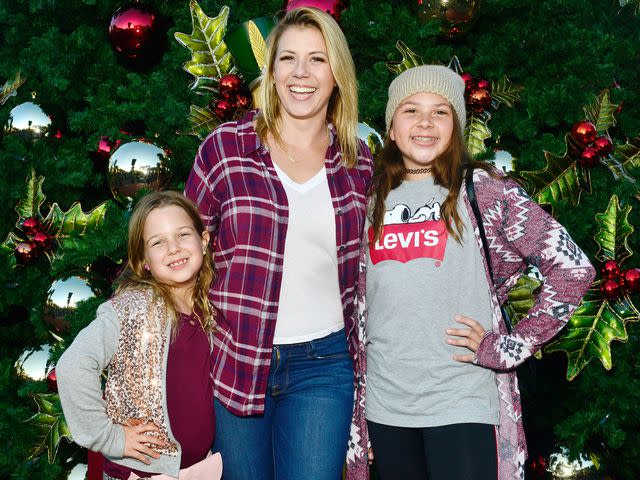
(244, 207)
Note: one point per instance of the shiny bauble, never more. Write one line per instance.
(610, 270)
(370, 137)
(631, 279)
(43, 241)
(603, 146)
(244, 101)
(479, 100)
(584, 132)
(33, 364)
(503, 161)
(30, 226)
(52, 381)
(28, 120)
(62, 300)
(229, 86)
(136, 34)
(26, 252)
(138, 165)
(485, 84)
(469, 81)
(223, 109)
(332, 7)
(455, 17)
(589, 157)
(610, 289)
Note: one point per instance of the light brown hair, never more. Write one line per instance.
(135, 275)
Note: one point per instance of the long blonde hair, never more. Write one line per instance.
(135, 275)
(343, 104)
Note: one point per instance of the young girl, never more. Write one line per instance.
(154, 337)
(442, 393)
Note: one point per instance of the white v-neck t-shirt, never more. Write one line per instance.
(309, 304)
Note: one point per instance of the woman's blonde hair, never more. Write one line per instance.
(343, 104)
(135, 275)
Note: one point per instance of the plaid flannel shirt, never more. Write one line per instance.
(244, 207)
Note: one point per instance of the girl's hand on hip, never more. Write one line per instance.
(135, 439)
(468, 337)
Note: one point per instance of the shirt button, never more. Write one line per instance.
(339, 212)
(342, 248)
(191, 322)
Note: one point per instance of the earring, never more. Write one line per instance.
(146, 267)
(204, 251)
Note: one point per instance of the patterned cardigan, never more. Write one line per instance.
(519, 233)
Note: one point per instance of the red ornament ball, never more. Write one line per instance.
(244, 101)
(43, 240)
(479, 99)
(134, 31)
(52, 381)
(229, 86)
(223, 109)
(469, 81)
(30, 226)
(631, 279)
(26, 252)
(610, 270)
(603, 146)
(484, 84)
(332, 7)
(584, 132)
(610, 289)
(589, 157)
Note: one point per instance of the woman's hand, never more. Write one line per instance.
(469, 337)
(135, 439)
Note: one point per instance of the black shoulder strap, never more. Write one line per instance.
(471, 195)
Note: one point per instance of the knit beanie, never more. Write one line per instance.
(429, 79)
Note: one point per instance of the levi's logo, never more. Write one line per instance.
(406, 237)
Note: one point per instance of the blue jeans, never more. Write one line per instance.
(304, 431)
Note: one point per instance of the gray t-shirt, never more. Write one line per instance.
(418, 278)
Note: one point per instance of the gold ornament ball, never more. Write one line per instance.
(62, 300)
(29, 120)
(138, 165)
(33, 364)
(456, 17)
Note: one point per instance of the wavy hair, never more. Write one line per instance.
(343, 104)
(135, 275)
(448, 170)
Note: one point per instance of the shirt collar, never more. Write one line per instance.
(249, 141)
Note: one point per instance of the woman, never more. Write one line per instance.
(283, 195)
(442, 393)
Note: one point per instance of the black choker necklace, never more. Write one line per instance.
(416, 171)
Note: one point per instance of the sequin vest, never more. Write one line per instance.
(136, 374)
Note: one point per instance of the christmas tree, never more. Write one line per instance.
(96, 114)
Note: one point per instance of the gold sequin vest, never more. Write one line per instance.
(135, 382)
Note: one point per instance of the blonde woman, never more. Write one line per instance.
(283, 195)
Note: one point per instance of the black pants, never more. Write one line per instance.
(465, 451)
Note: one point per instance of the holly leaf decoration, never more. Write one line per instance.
(409, 60)
(594, 325)
(477, 132)
(52, 423)
(10, 87)
(74, 221)
(211, 58)
(614, 232)
(629, 154)
(521, 298)
(29, 206)
(202, 121)
(258, 45)
(503, 91)
(600, 112)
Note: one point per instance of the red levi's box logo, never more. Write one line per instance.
(404, 242)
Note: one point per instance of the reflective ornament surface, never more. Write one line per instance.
(370, 136)
(137, 165)
(62, 299)
(33, 363)
(456, 17)
(28, 119)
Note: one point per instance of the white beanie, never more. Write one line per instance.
(428, 79)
